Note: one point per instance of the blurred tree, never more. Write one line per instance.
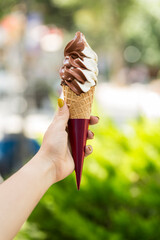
(100, 21)
(6, 6)
(141, 29)
(109, 26)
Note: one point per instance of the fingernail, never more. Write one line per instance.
(92, 133)
(60, 102)
(90, 149)
(97, 117)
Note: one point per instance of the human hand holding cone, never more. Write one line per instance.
(79, 77)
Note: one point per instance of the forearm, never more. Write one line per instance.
(21, 193)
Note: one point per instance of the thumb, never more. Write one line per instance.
(62, 114)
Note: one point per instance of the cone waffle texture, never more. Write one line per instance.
(79, 105)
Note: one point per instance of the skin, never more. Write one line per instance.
(20, 193)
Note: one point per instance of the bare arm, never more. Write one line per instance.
(20, 193)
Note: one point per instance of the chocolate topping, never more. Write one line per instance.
(75, 47)
(73, 62)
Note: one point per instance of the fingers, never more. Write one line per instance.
(88, 150)
(90, 134)
(93, 120)
(63, 110)
(62, 115)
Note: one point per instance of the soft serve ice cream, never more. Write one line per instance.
(79, 71)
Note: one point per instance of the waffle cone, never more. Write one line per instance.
(79, 105)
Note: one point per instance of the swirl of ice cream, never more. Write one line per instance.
(79, 71)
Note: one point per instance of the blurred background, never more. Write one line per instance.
(120, 190)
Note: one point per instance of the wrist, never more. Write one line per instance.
(46, 169)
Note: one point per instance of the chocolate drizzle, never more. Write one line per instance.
(73, 62)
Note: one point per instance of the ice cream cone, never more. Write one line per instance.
(79, 78)
(80, 106)
(80, 110)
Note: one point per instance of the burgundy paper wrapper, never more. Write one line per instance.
(77, 131)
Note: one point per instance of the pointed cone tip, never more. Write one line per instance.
(77, 130)
(78, 181)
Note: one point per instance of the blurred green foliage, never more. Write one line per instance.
(119, 197)
(6, 6)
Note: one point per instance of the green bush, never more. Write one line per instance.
(119, 197)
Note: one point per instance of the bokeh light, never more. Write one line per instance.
(132, 54)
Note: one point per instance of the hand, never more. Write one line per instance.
(52, 163)
(55, 146)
